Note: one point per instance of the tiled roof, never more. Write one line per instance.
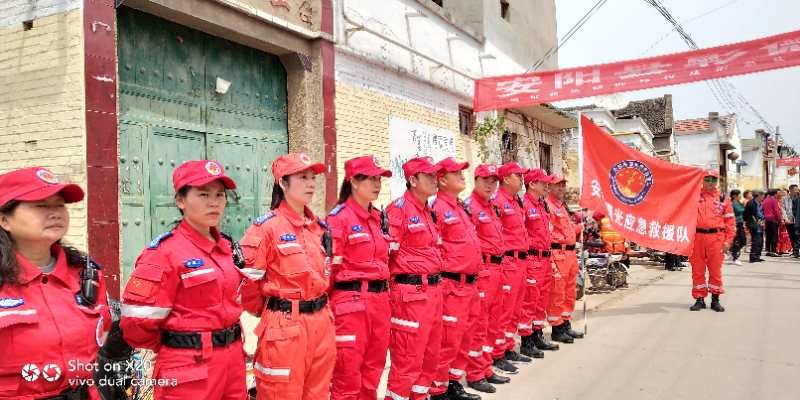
(657, 113)
(702, 125)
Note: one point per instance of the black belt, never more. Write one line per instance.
(184, 340)
(78, 393)
(305, 307)
(522, 255)
(712, 230)
(355, 286)
(412, 279)
(560, 246)
(536, 253)
(493, 259)
(457, 277)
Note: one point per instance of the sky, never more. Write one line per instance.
(630, 29)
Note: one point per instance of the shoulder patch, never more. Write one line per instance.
(337, 209)
(10, 302)
(399, 203)
(264, 218)
(158, 239)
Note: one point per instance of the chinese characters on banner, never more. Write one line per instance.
(408, 139)
(649, 201)
(513, 91)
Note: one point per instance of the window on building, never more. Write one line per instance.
(504, 6)
(545, 158)
(438, 3)
(508, 145)
(466, 120)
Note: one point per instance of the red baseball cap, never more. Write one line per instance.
(712, 172)
(365, 165)
(199, 173)
(35, 184)
(556, 178)
(537, 175)
(292, 163)
(486, 170)
(418, 165)
(509, 168)
(449, 164)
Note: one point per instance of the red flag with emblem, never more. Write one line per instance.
(649, 201)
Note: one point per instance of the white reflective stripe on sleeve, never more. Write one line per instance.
(487, 349)
(474, 354)
(410, 226)
(345, 338)
(419, 389)
(272, 371)
(132, 311)
(701, 286)
(552, 318)
(523, 326)
(499, 341)
(507, 288)
(394, 246)
(729, 215)
(254, 273)
(481, 295)
(567, 314)
(17, 312)
(439, 383)
(407, 324)
(531, 281)
(538, 323)
(509, 335)
(337, 260)
(449, 318)
(395, 396)
(197, 272)
(457, 372)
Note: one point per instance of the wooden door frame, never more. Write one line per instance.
(102, 131)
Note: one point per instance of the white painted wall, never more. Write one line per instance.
(699, 149)
(14, 12)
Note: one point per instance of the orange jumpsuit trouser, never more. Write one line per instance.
(562, 299)
(707, 255)
(295, 355)
(531, 313)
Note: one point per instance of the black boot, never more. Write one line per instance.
(498, 379)
(541, 343)
(715, 303)
(513, 356)
(571, 332)
(443, 396)
(503, 365)
(698, 305)
(528, 348)
(456, 392)
(560, 335)
(482, 386)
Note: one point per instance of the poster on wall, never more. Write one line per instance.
(408, 139)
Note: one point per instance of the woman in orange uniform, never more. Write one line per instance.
(53, 310)
(182, 298)
(296, 338)
(360, 297)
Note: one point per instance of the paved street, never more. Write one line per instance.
(645, 344)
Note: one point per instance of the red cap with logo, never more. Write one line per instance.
(510, 168)
(365, 165)
(556, 178)
(418, 165)
(199, 173)
(449, 164)
(292, 163)
(486, 170)
(712, 172)
(537, 175)
(35, 184)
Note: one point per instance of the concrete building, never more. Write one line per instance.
(404, 81)
(115, 97)
(711, 143)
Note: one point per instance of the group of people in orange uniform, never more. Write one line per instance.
(442, 283)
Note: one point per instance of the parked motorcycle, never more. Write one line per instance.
(605, 271)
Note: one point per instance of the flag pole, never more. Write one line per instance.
(582, 237)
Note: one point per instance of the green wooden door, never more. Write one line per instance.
(170, 112)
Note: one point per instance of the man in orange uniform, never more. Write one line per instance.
(716, 228)
(515, 249)
(564, 235)
(460, 264)
(416, 299)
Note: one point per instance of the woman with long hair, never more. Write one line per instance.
(296, 348)
(182, 300)
(53, 310)
(360, 272)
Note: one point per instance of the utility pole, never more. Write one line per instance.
(776, 155)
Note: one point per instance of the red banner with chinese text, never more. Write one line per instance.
(513, 91)
(649, 201)
(788, 162)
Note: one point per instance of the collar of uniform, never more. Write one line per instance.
(296, 220)
(413, 200)
(201, 241)
(451, 200)
(28, 271)
(533, 199)
(553, 200)
(506, 194)
(360, 212)
(483, 202)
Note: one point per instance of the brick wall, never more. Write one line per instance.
(42, 102)
(367, 96)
